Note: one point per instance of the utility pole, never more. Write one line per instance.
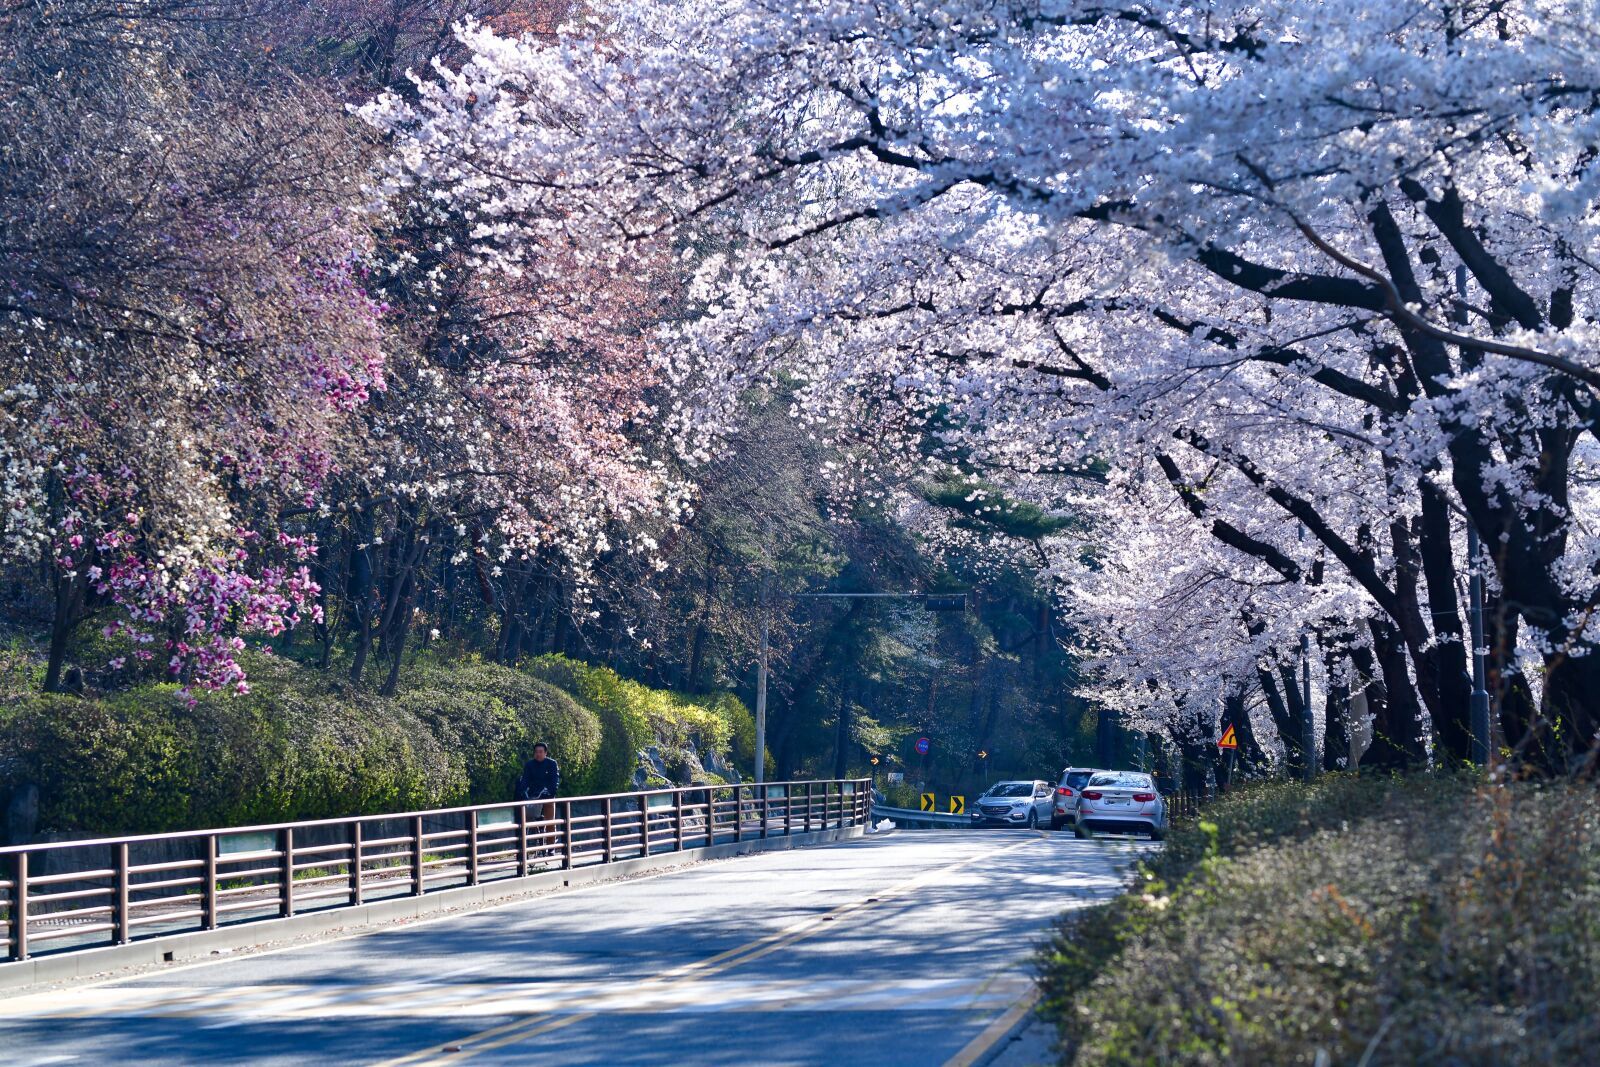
(1479, 703)
(761, 692)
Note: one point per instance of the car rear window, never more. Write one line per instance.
(1078, 779)
(1129, 781)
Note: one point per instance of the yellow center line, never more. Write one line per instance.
(994, 1032)
(520, 1029)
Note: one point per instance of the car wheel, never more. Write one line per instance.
(1157, 834)
(1033, 820)
(1081, 832)
(1055, 824)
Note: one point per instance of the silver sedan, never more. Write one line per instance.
(1121, 802)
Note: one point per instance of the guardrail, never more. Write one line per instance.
(911, 817)
(71, 895)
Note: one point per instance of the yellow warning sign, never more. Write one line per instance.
(927, 802)
(1229, 739)
(958, 805)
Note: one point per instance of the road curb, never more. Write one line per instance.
(199, 945)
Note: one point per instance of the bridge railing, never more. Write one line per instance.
(68, 895)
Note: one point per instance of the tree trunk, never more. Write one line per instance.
(360, 593)
(1397, 730)
(69, 600)
(1335, 714)
(1288, 725)
(1448, 652)
(841, 736)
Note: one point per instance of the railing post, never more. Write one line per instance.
(119, 908)
(357, 892)
(566, 836)
(416, 856)
(208, 892)
(19, 908)
(766, 810)
(286, 875)
(472, 847)
(606, 827)
(788, 809)
(738, 813)
(810, 786)
(711, 816)
(644, 824)
(522, 840)
(677, 819)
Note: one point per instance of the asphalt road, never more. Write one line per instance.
(898, 949)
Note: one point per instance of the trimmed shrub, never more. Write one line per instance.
(624, 726)
(490, 717)
(300, 745)
(1423, 920)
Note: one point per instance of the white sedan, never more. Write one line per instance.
(1121, 802)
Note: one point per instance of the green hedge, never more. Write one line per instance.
(303, 744)
(490, 717)
(300, 745)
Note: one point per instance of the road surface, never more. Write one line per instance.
(898, 949)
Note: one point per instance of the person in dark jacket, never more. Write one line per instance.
(541, 780)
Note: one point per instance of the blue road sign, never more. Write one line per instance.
(922, 746)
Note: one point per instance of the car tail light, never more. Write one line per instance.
(1144, 798)
(1091, 794)
(1064, 791)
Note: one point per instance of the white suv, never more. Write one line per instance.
(1013, 804)
(1064, 810)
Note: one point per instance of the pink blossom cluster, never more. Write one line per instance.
(207, 610)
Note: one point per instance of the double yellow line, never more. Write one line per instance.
(521, 1029)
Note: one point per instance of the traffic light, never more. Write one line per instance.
(945, 602)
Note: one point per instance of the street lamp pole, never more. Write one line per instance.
(761, 692)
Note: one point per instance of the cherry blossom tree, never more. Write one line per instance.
(1222, 247)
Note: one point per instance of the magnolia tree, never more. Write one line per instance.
(244, 388)
(186, 330)
(1302, 267)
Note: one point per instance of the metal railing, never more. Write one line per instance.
(69, 895)
(1184, 805)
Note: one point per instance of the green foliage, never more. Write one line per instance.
(901, 795)
(1431, 919)
(634, 716)
(299, 746)
(624, 725)
(982, 505)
